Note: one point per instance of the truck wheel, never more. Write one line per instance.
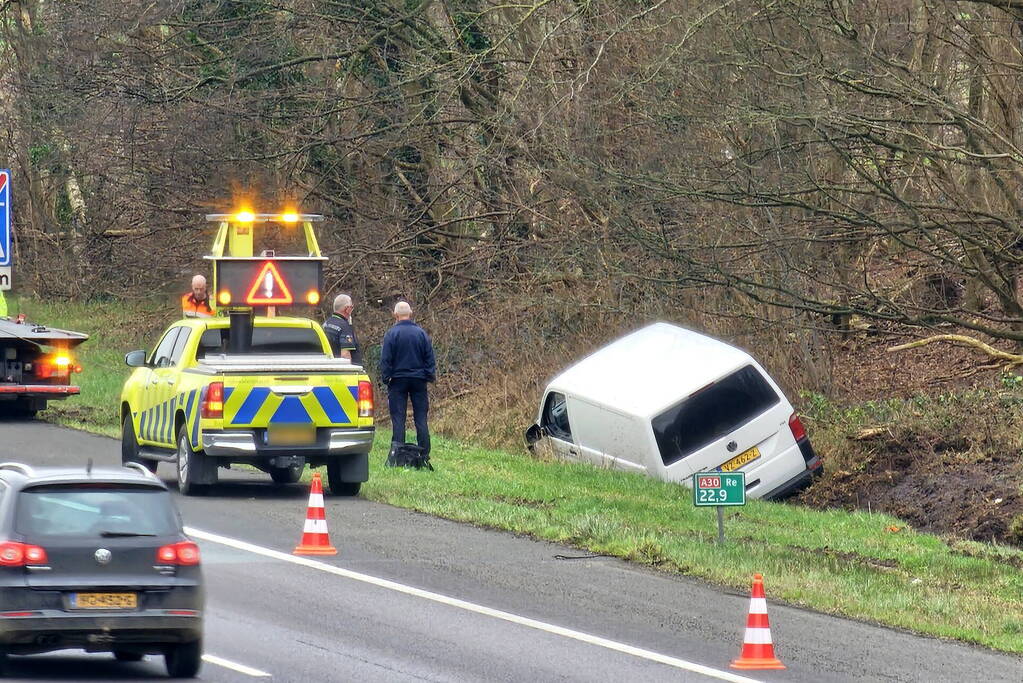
(286, 475)
(192, 466)
(184, 660)
(130, 446)
(338, 487)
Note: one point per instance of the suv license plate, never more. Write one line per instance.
(104, 601)
(291, 435)
(740, 460)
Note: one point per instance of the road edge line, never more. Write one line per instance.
(471, 607)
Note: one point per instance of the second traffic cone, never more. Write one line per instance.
(757, 648)
(315, 540)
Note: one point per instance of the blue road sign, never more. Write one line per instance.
(5, 217)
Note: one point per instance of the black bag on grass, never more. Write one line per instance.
(408, 455)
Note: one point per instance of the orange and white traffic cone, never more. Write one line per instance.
(315, 540)
(757, 648)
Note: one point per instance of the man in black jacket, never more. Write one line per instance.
(406, 366)
(340, 332)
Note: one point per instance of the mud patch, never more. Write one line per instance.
(937, 486)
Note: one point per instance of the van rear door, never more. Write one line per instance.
(737, 422)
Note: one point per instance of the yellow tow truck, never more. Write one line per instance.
(263, 390)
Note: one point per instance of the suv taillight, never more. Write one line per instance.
(365, 399)
(798, 430)
(14, 554)
(213, 401)
(182, 553)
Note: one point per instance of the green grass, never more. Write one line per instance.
(865, 566)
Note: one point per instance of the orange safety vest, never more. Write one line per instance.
(195, 309)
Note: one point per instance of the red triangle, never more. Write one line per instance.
(3, 181)
(278, 292)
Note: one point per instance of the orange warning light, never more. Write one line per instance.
(269, 287)
(313, 297)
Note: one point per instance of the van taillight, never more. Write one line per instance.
(798, 430)
(213, 401)
(184, 553)
(14, 554)
(365, 399)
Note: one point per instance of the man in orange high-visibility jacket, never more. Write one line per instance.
(196, 304)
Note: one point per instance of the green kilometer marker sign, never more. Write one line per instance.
(718, 489)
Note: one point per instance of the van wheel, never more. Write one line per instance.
(286, 475)
(191, 466)
(130, 446)
(184, 661)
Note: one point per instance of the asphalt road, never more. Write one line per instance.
(411, 597)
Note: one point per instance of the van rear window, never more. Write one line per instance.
(711, 413)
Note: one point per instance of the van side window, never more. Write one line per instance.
(555, 417)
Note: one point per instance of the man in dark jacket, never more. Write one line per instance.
(340, 332)
(406, 366)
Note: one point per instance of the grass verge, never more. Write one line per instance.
(862, 565)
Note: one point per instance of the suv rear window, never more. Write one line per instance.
(711, 413)
(270, 340)
(99, 509)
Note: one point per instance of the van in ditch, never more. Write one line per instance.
(669, 402)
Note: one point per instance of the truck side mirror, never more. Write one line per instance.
(135, 359)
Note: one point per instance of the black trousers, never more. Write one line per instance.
(399, 391)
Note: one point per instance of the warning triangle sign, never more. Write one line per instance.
(269, 287)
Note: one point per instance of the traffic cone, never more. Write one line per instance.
(757, 648)
(315, 540)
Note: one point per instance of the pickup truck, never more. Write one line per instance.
(284, 403)
(36, 366)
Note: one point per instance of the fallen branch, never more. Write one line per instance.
(1004, 358)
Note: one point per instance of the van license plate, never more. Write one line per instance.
(740, 460)
(104, 601)
(290, 435)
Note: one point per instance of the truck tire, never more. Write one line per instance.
(194, 468)
(130, 446)
(286, 475)
(338, 487)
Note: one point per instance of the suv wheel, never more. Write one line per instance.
(191, 465)
(130, 446)
(338, 487)
(184, 661)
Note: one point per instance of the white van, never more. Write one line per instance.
(668, 402)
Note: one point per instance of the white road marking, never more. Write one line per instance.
(471, 607)
(235, 666)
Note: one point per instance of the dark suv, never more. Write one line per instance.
(96, 559)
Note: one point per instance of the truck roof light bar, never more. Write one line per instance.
(265, 217)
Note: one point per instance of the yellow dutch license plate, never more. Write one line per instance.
(104, 600)
(740, 460)
(291, 435)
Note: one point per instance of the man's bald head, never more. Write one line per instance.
(199, 287)
(402, 310)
